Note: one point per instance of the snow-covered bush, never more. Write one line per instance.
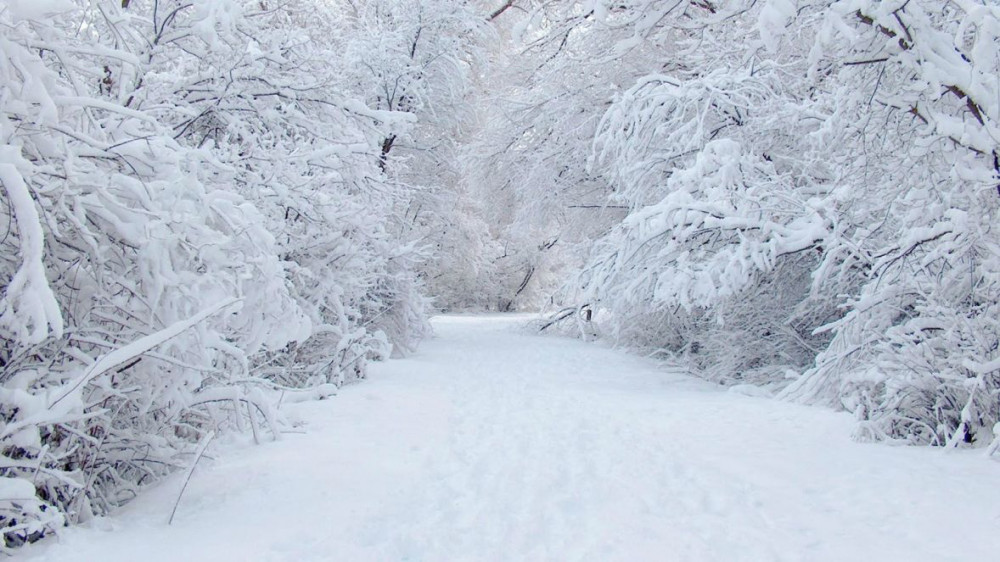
(195, 219)
(811, 189)
(720, 266)
(915, 354)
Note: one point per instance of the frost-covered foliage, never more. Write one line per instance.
(725, 257)
(420, 58)
(811, 190)
(538, 114)
(915, 355)
(196, 224)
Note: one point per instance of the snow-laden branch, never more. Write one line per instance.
(28, 308)
(135, 349)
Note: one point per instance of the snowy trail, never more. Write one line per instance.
(491, 444)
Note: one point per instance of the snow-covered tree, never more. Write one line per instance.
(810, 188)
(915, 354)
(197, 222)
(421, 58)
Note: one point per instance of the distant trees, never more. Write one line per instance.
(422, 59)
(537, 119)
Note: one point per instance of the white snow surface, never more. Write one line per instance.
(494, 444)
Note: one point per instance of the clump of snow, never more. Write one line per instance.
(772, 20)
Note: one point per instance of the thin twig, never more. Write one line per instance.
(187, 477)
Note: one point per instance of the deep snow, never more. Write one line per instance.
(494, 444)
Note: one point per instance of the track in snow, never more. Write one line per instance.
(493, 444)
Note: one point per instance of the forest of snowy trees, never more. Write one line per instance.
(211, 208)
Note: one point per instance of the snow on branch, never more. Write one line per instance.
(28, 307)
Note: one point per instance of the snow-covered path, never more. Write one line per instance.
(491, 444)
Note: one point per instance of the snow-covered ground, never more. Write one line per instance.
(493, 444)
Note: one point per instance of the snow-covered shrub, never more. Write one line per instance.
(311, 159)
(139, 237)
(720, 266)
(194, 219)
(811, 191)
(914, 356)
